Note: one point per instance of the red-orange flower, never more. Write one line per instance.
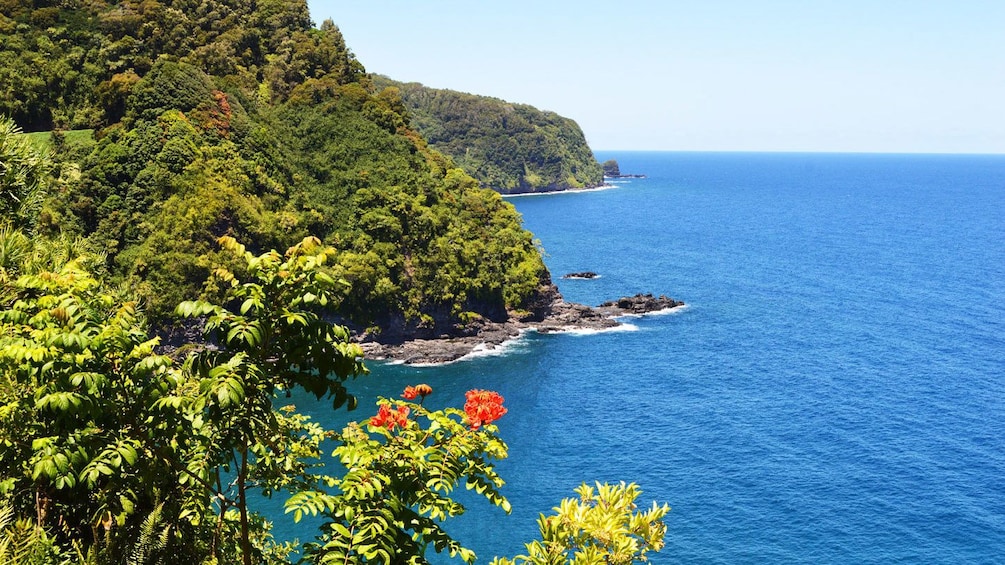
(390, 418)
(422, 390)
(483, 407)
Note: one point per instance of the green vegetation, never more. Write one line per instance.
(113, 453)
(510, 148)
(164, 132)
(611, 168)
(243, 120)
(23, 171)
(601, 526)
(60, 140)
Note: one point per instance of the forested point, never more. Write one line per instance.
(244, 120)
(510, 148)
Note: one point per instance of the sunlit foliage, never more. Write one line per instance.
(507, 147)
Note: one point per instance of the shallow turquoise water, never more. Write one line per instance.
(832, 393)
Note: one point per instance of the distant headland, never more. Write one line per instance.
(613, 171)
(509, 148)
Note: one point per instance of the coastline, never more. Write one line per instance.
(560, 317)
(598, 188)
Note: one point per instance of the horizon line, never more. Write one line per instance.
(806, 152)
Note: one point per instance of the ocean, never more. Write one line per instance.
(833, 392)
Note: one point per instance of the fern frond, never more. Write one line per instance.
(153, 540)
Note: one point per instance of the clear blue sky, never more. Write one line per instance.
(721, 75)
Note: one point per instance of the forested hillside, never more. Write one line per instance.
(223, 117)
(510, 148)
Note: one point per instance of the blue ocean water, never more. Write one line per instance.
(834, 392)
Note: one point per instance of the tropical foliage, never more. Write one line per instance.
(23, 176)
(402, 465)
(103, 438)
(113, 452)
(601, 527)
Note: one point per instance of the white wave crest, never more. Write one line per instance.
(507, 347)
(622, 327)
(664, 312)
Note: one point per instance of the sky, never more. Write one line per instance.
(893, 76)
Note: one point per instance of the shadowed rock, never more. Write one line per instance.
(551, 313)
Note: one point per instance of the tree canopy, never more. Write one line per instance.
(244, 120)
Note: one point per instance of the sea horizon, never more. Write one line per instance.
(802, 152)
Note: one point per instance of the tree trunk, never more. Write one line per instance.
(242, 501)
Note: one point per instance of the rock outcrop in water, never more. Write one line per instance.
(640, 304)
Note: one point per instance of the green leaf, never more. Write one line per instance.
(128, 453)
(249, 304)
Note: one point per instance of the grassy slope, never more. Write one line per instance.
(78, 137)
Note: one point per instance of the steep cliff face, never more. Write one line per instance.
(510, 148)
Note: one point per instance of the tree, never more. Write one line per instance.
(110, 445)
(402, 464)
(270, 336)
(85, 449)
(23, 172)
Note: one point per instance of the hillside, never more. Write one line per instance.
(242, 119)
(510, 148)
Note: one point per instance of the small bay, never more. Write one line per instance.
(832, 392)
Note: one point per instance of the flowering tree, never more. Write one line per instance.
(483, 407)
(401, 466)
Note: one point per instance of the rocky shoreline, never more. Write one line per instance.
(559, 316)
(549, 314)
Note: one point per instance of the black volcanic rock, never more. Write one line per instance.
(640, 304)
(581, 275)
(551, 314)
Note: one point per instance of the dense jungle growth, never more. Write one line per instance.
(242, 119)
